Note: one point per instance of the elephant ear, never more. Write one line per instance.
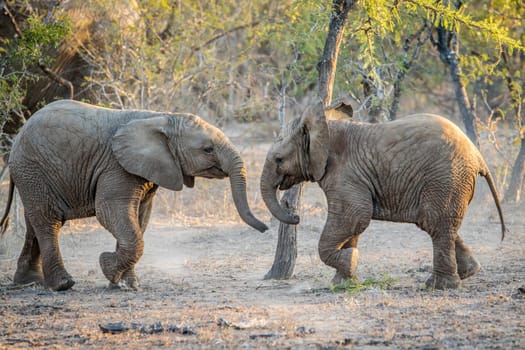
(340, 110)
(316, 127)
(141, 148)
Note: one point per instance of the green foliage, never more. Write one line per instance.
(236, 60)
(36, 39)
(489, 28)
(299, 40)
(19, 57)
(384, 40)
(229, 59)
(10, 93)
(354, 286)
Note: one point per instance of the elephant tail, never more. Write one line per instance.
(490, 181)
(5, 219)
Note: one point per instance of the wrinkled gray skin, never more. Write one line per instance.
(420, 169)
(73, 160)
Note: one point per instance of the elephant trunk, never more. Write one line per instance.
(269, 195)
(233, 165)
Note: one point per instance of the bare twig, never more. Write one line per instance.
(58, 79)
(225, 33)
(12, 18)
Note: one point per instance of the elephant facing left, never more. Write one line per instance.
(74, 160)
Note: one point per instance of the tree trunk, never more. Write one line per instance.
(374, 98)
(465, 108)
(517, 183)
(328, 64)
(448, 46)
(286, 252)
(412, 42)
(517, 179)
(396, 98)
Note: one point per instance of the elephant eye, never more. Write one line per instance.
(208, 149)
(278, 160)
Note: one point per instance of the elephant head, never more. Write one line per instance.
(170, 150)
(299, 154)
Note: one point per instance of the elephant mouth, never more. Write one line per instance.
(212, 173)
(287, 182)
(189, 181)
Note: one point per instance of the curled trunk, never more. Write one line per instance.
(234, 166)
(269, 195)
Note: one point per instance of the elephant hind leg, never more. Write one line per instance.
(466, 262)
(29, 267)
(445, 270)
(46, 230)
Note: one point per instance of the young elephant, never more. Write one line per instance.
(420, 169)
(73, 160)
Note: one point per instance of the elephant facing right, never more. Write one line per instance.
(420, 169)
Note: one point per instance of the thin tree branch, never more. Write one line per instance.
(12, 18)
(58, 79)
(223, 34)
(406, 65)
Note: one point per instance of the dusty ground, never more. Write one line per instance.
(202, 277)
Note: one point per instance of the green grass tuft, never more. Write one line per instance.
(353, 285)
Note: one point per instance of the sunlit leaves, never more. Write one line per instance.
(298, 40)
(28, 48)
(382, 38)
(36, 38)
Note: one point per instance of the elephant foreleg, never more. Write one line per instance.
(29, 267)
(118, 266)
(128, 276)
(338, 242)
(145, 209)
(352, 245)
(467, 264)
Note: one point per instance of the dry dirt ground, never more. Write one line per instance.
(202, 284)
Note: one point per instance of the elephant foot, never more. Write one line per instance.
(108, 264)
(59, 282)
(122, 285)
(467, 266)
(129, 281)
(346, 264)
(126, 280)
(443, 282)
(339, 279)
(29, 275)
